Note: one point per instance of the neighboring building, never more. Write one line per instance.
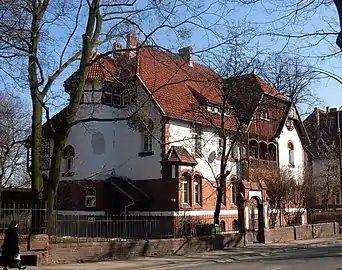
(323, 158)
(165, 160)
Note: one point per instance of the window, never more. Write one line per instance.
(338, 196)
(117, 95)
(223, 225)
(264, 115)
(289, 124)
(233, 191)
(185, 194)
(209, 107)
(220, 147)
(224, 193)
(291, 153)
(197, 144)
(197, 189)
(69, 155)
(235, 151)
(90, 201)
(253, 148)
(146, 142)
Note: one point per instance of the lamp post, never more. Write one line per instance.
(339, 147)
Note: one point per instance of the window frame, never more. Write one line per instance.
(233, 193)
(185, 193)
(197, 193)
(290, 148)
(264, 115)
(68, 157)
(86, 198)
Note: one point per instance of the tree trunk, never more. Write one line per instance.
(52, 187)
(38, 216)
(218, 202)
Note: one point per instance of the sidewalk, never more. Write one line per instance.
(256, 251)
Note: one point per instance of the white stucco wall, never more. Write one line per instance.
(180, 135)
(283, 152)
(105, 148)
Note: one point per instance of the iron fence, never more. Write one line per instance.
(28, 216)
(85, 227)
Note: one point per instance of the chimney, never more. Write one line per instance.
(117, 46)
(333, 110)
(327, 108)
(185, 53)
(132, 43)
(317, 117)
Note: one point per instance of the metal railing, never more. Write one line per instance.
(122, 227)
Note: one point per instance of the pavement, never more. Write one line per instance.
(303, 254)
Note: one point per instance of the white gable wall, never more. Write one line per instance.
(283, 151)
(180, 135)
(105, 148)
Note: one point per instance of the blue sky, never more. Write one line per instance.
(258, 16)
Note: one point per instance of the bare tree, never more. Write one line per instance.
(25, 38)
(292, 78)
(14, 128)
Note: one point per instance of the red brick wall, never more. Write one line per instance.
(71, 194)
(161, 191)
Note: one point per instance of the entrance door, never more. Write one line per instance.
(256, 220)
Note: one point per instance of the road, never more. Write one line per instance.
(310, 258)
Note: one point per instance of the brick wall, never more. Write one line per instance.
(291, 233)
(67, 252)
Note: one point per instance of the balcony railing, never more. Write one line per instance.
(253, 162)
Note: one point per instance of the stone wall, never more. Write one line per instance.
(91, 251)
(291, 233)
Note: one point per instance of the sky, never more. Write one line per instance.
(264, 17)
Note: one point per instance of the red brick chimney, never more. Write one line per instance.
(117, 46)
(132, 43)
(185, 53)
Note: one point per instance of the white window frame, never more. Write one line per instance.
(90, 197)
(264, 115)
(185, 192)
(233, 194)
(197, 140)
(147, 145)
(291, 154)
(197, 185)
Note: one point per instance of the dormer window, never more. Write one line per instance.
(117, 95)
(210, 107)
(264, 115)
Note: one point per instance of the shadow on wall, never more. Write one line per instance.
(120, 249)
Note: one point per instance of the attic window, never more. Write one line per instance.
(210, 107)
(117, 95)
(289, 124)
(264, 115)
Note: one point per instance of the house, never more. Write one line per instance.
(323, 158)
(165, 160)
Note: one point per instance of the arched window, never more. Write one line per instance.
(185, 192)
(263, 150)
(197, 189)
(223, 225)
(68, 155)
(291, 153)
(253, 149)
(233, 191)
(272, 152)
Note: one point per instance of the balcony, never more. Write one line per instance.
(260, 163)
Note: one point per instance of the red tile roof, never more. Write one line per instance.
(180, 90)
